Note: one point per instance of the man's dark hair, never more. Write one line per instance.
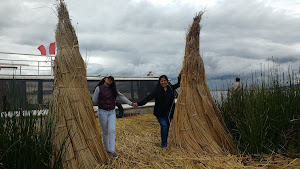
(237, 79)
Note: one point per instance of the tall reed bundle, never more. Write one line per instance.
(72, 105)
(197, 125)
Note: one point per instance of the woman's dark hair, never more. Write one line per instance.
(158, 86)
(162, 76)
(112, 86)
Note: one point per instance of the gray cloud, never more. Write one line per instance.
(131, 38)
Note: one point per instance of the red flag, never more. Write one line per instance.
(52, 48)
(42, 49)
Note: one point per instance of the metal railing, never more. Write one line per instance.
(21, 66)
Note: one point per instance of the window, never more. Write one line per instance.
(32, 92)
(136, 90)
(144, 88)
(47, 90)
(125, 88)
(91, 85)
(4, 96)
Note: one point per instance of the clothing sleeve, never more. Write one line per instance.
(175, 86)
(124, 99)
(234, 86)
(96, 96)
(146, 99)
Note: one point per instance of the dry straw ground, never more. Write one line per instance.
(138, 146)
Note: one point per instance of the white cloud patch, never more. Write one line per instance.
(133, 37)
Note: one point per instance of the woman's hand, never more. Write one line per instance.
(135, 105)
(179, 75)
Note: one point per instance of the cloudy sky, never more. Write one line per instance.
(133, 37)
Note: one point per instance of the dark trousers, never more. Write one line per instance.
(164, 122)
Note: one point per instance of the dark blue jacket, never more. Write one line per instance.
(164, 100)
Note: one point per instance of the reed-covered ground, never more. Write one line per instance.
(138, 146)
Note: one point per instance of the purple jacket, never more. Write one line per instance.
(106, 99)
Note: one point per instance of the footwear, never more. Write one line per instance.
(164, 148)
(114, 155)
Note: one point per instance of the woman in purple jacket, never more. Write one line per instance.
(105, 97)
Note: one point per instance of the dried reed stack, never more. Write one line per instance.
(72, 105)
(197, 125)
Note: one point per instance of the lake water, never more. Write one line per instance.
(218, 94)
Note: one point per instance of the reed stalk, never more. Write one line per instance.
(264, 116)
(26, 138)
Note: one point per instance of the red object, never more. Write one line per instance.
(52, 48)
(42, 49)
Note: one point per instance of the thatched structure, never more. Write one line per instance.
(197, 125)
(72, 106)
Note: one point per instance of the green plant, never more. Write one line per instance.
(27, 137)
(264, 116)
